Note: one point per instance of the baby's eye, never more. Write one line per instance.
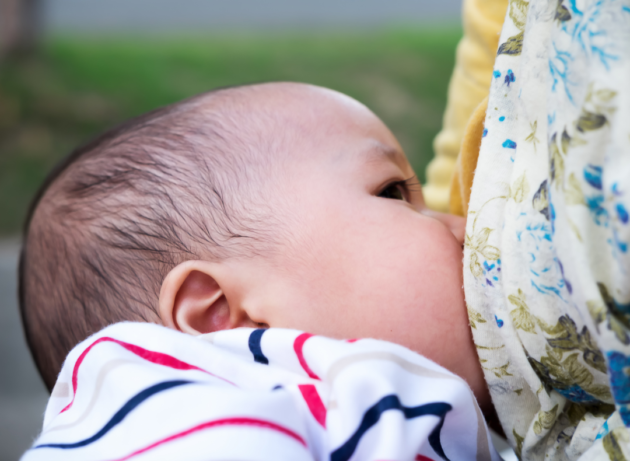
(395, 190)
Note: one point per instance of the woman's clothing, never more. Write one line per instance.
(469, 85)
(547, 263)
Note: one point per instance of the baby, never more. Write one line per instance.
(278, 205)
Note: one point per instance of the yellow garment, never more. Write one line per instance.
(464, 172)
(470, 83)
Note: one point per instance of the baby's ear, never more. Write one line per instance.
(192, 300)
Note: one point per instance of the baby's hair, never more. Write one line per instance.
(113, 218)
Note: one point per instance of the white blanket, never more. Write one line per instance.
(144, 392)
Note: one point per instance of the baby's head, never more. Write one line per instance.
(282, 205)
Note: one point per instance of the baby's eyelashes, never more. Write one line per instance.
(393, 191)
(400, 190)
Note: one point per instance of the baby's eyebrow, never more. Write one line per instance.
(379, 152)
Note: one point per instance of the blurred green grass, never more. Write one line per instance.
(78, 86)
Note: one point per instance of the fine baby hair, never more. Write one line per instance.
(114, 216)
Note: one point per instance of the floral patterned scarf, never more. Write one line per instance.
(546, 256)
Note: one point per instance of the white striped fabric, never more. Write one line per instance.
(143, 392)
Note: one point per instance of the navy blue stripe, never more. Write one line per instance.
(392, 402)
(254, 346)
(120, 414)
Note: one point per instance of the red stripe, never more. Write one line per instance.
(354, 340)
(423, 458)
(297, 346)
(314, 402)
(151, 356)
(251, 422)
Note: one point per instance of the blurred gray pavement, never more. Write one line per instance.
(22, 393)
(137, 16)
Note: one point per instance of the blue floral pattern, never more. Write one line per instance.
(619, 371)
(550, 208)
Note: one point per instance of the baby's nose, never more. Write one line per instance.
(456, 224)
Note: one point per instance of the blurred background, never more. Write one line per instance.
(71, 68)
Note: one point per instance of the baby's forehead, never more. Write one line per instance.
(300, 117)
(283, 108)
